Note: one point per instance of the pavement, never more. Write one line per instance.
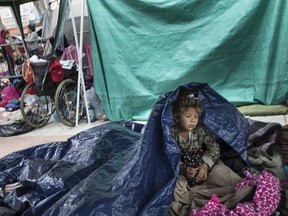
(51, 132)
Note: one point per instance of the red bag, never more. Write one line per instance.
(56, 70)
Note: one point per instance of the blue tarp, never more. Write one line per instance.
(113, 169)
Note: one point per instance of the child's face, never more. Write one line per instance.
(189, 119)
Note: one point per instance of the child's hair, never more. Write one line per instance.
(187, 100)
(32, 27)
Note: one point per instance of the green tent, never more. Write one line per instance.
(144, 48)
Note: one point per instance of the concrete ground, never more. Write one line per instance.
(51, 132)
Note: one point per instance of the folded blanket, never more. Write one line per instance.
(263, 134)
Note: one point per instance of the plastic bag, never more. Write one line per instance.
(95, 103)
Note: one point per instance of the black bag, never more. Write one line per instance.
(43, 83)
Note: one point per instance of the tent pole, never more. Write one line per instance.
(81, 82)
(81, 61)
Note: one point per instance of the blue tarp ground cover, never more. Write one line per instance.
(111, 169)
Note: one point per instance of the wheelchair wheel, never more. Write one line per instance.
(36, 110)
(66, 102)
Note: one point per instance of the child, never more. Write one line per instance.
(202, 173)
(32, 39)
(199, 149)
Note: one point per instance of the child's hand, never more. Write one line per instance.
(203, 172)
(190, 172)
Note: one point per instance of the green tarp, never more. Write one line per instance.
(144, 48)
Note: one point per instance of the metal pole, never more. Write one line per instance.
(81, 61)
(80, 71)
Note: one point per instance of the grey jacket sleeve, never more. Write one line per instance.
(32, 37)
(212, 153)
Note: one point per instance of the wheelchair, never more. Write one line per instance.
(41, 97)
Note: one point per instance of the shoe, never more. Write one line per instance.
(267, 160)
(254, 159)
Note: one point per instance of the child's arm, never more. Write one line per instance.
(187, 171)
(190, 172)
(212, 152)
(203, 172)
